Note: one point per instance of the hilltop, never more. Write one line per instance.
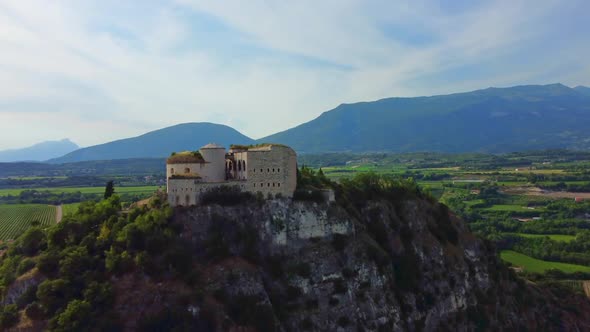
(159, 143)
(39, 152)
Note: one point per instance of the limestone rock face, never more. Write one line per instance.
(385, 266)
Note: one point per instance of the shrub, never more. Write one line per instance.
(34, 311)
(226, 196)
(8, 316)
(310, 195)
(28, 296)
(76, 317)
(32, 241)
(48, 263)
(24, 266)
(53, 294)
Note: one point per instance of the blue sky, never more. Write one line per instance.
(94, 71)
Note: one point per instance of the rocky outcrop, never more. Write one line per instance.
(406, 265)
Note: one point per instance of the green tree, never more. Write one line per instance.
(76, 317)
(8, 316)
(109, 190)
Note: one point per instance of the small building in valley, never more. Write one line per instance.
(266, 168)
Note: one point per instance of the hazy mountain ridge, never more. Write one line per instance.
(39, 152)
(488, 120)
(529, 117)
(159, 143)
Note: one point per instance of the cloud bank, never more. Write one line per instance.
(95, 71)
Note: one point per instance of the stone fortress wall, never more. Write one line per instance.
(269, 169)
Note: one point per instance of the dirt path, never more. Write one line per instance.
(586, 285)
(58, 213)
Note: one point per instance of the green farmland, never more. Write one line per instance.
(85, 190)
(554, 237)
(530, 264)
(16, 218)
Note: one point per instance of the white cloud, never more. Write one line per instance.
(101, 71)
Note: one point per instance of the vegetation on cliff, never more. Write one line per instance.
(401, 258)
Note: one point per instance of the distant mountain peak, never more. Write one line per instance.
(159, 143)
(40, 151)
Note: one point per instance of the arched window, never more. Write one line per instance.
(278, 184)
(188, 200)
(187, 170)
(244, 165)
(239, 166)
(273, 170)
(278, 169)
(268, 170)
(172, 171)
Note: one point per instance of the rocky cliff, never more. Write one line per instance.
(385, 260)
(389, 265)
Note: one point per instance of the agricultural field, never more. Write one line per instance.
(554, 237)
(535, 206)
(85, 190)
(530, 264)
(16, 218)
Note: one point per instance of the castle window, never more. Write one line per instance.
(273, 170)
(239, 166)
(187, 170)
(278, 169)
(261, 170)
(273, 184)
(261, 184)
(253, 170)
(254, 184)
(268, 170)
(278, 184)
(188, 200)
(268, 184)
(172, 171)
(244, 164)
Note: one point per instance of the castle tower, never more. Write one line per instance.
(214, 169)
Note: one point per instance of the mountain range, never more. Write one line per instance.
(495, 120)
(490, 120)
(40, 151)
(159, 143)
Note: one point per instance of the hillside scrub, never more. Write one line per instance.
(393, 261)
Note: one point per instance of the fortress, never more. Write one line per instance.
(266, 168)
